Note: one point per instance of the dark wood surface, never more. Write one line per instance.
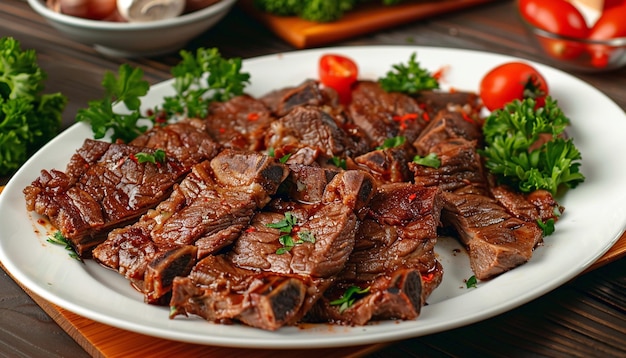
(584, 318)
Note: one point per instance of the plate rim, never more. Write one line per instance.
(321, 341)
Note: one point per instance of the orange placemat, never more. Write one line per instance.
(364, 19)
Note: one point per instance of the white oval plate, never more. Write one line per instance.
(593, 221)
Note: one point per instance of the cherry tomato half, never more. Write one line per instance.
(510, 81)
(610, 25)
(339, 73)
(559, 17)
(89, 9)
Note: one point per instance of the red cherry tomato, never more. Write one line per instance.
(610, 25)
(339, 73)
(89, 9)
(559, 17)
(510, 81)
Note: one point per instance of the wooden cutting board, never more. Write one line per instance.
(364, 19)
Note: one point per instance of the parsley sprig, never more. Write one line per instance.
(157, 157)
(510, 136)
(349, 297)
(408, 78)
(430, 160)
(127, 87)
(58, 239)
(392, 142)
(203, 77)
(200, 78)
(287, 226)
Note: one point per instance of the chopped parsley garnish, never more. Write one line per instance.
(408, 78)
(285, 158)
(431, 160)
(58, 239)
(471, 282)
(392, 142)
(158, 157)
(511, 135)
(287, 226)
(547, 227)
(348, 298)
(338, 162)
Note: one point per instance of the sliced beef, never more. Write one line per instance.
(538, 205)
(394, 249)
(309, 127)
(447, 125)
(394, 296)
(308, 93)
(219, 291)
(273, 276)
(306, 183)
(460, 165)
(208, 210)
(388, 165)
(496, 240)
(239, 123)
(104, 186)
(112, 191)
(466, 103)
(381, 115)
(186, 140)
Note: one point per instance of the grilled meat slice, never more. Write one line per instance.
(104, 186)
(382, 115)
(496, 241)
(312, 128)
(239, 123)
(460, 165)
(219, 291)
(275, 276)
(388, 165)
(308, 93)
(394, 248)
(208, 210)
(447, 125)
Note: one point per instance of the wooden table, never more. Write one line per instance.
(586, 317)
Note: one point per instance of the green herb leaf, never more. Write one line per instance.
(471, 282)
(349, 297)
(201, 78)
(285, 158)
(338, 162)
(392, 142)
(126, 88)
(408, 78)
(157, 157)
(547, 227)
(58, 239)
(28, 118)
(431, 160)
(510, 136)
(286, 226)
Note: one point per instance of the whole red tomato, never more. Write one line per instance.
(559, 17)
(88, 9)
(339, 73)
(612, 24)
(510, 81)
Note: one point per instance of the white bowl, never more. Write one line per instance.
(125, 39)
